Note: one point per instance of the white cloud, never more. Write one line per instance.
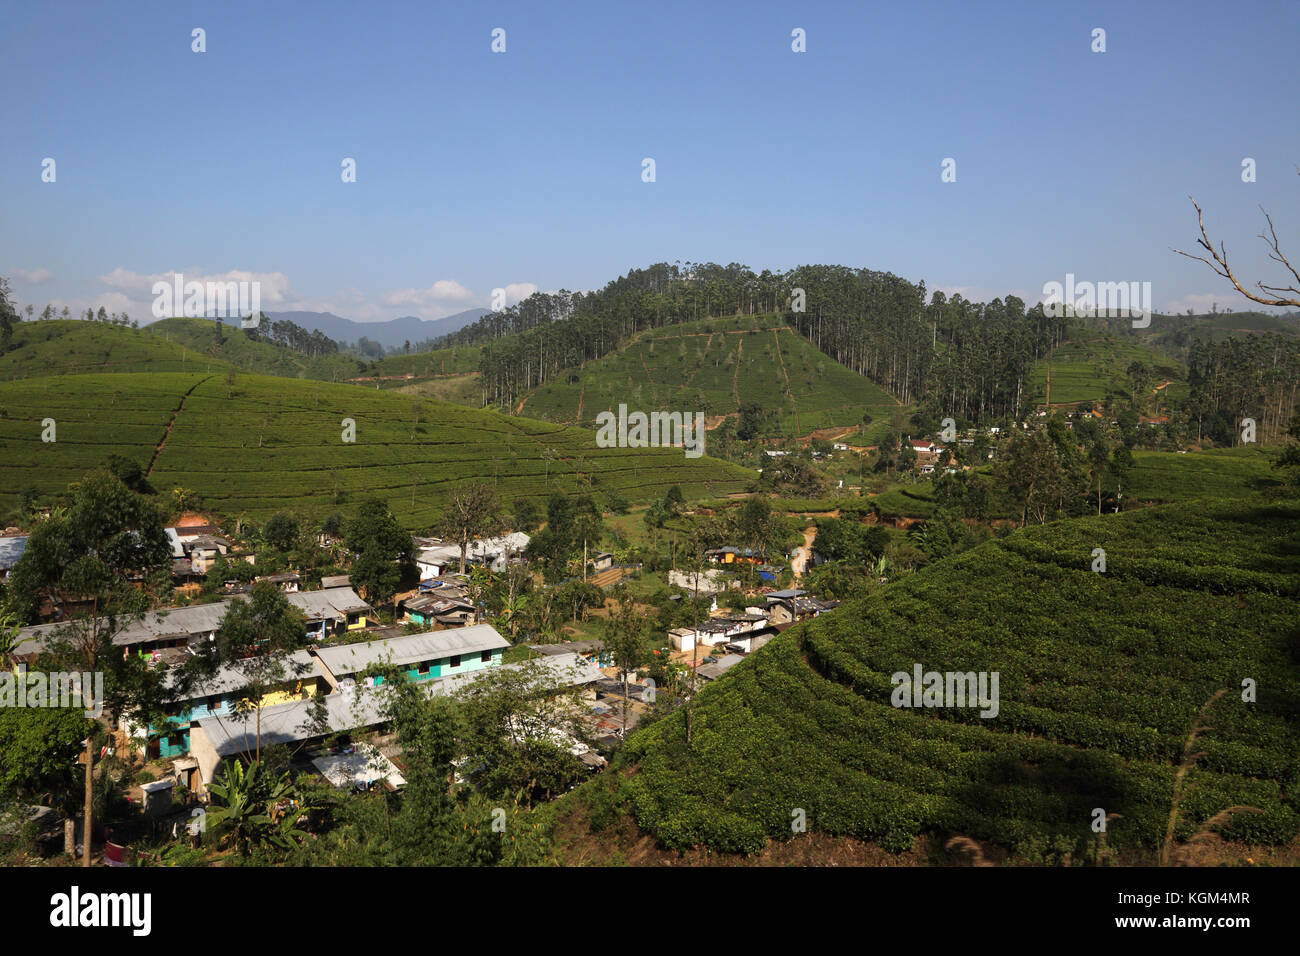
(33, 276)
(442, 293)
(516, 292)
(275, 286)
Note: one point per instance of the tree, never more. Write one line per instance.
(254, 640)
(281, 531)
(106, 534)
(8, 316)
(757, 528)
(1033, 474)
(516, 726)
(588, 526)
(1121, 466)
(40, 748)
(382, 550)
(129, 473)
(473, 511)
(1288, 462)
(625, 640)
(9, 631)
(527, 516)
(1099, 464)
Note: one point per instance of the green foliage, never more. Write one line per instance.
(40, 745)
(381, 549)
(241, 811)
(281, 531)
(1101, 676)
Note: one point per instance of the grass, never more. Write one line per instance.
(265, 444)
(715, 367)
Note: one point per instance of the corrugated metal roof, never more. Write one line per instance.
(229, 678)
(367, 706)
(430, 646)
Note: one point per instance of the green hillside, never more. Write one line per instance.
(1164, 476)
(211, 339)
(716, 366)
(259, 444)
(445, 375)
(461, 360)
(1102, 676)
(1095, 367)
(70, 346)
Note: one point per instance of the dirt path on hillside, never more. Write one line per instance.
(158, 449)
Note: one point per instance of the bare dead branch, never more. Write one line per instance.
(1221, 267)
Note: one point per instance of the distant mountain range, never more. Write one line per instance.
(391, 334)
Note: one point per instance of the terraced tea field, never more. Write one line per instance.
(1088, 371)
(260, 444)
(1101, 679)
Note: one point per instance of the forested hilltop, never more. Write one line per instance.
(949, 356)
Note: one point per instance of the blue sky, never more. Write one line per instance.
(522, 170)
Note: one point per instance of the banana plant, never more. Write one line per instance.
(247, 813)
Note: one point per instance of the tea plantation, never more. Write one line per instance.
(253, 445)
(1102, 675)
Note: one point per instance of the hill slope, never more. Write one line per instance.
(259, 444)
(717, 366)
(71, 346)
(1093, 366)
(212, 339)
(1102, 676)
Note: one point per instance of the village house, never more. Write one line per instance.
(355, 707)
(784, 607)
(592, 651)
(722, 629)
(492, 553)
(732, 555)
(422, 657)
(219, 697)
(287, 581)
(205, 549)
(160, 636)
(332, 611)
